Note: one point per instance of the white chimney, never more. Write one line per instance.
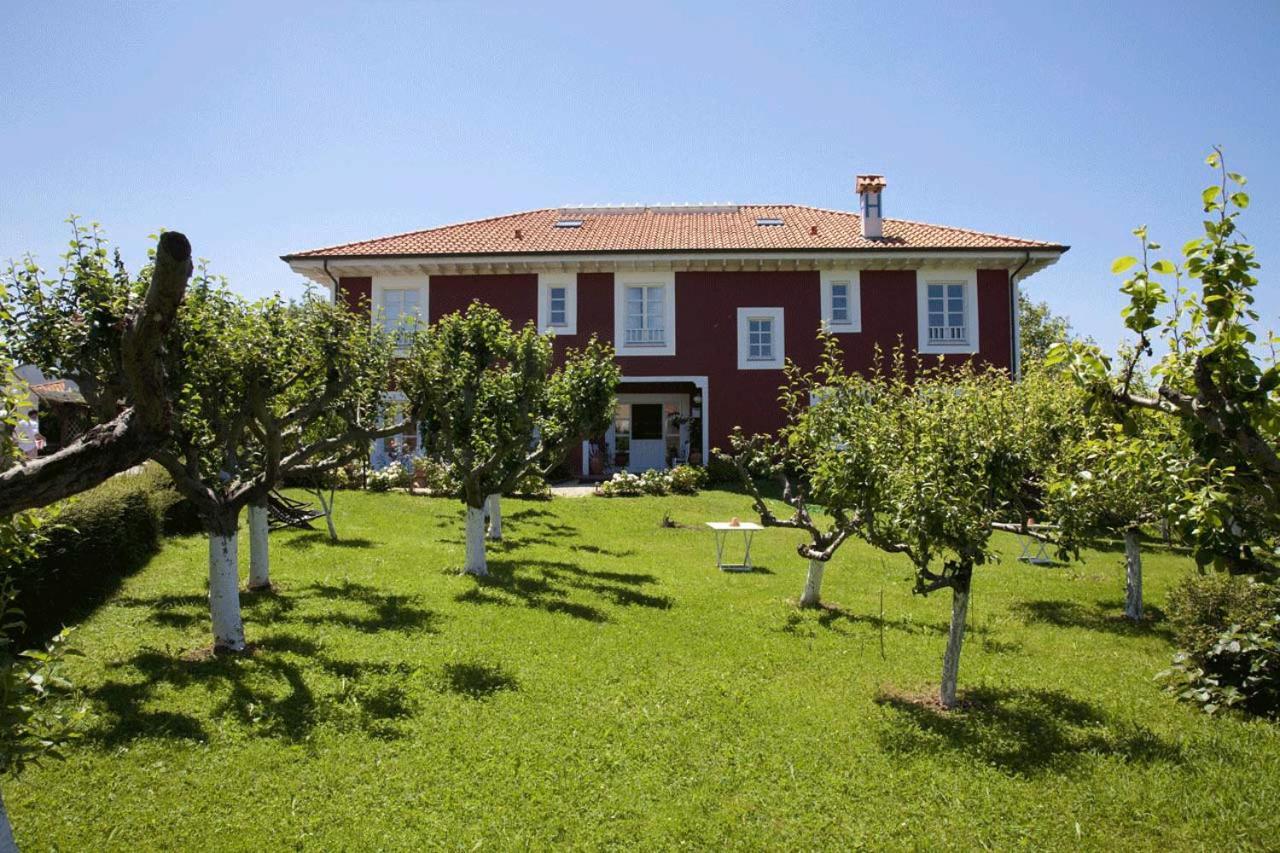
(869, 188)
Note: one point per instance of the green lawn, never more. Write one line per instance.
(608, 687)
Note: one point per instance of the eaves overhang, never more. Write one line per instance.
(319, 268)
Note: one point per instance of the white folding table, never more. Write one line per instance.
(722, 529)
(1034, 549)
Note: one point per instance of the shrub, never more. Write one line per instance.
(623, 484)
(1241, 671)
(345, 476)
(654, 482)
(532, 485)
(721, 471)
(683, 479)
(1202, 607)
(1228, 629)
(686, 479)
(394, 476)
(100, 537)
(435, 477)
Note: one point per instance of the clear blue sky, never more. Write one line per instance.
(263, 131)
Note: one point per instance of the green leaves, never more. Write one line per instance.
(1215, 385)
(1122, 264)
(491, 402)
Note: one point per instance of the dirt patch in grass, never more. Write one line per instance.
(929, 700)
(210, 651)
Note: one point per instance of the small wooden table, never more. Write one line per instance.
(722, 530)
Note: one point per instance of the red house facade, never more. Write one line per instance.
(703, 303)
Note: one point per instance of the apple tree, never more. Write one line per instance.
(493, 405)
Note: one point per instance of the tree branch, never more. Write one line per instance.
(132, 436)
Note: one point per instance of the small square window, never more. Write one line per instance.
(760, 339)
(558, 309)
(840, 303)
(557, 303)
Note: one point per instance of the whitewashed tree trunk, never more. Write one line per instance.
(259, 552)
(493, 506)
(476, 563)
(224, 591)
(1133, 576)
(813, 584)
(326, 504)
(955, 638)
(7, 844)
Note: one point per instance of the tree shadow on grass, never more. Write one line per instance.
(832, 616)
(596, 549)
(306, 541)
(477, 681)
(368, 609)
(547, 584)
(1019, 732)
(376, 610)
(273, 691)
(1102, 616)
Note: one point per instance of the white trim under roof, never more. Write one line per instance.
(728, 261)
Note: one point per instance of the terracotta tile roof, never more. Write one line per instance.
(57, 391)
(671, 229)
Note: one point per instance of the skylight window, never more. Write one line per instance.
(768, 220)
(568, 223)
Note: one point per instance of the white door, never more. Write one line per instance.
(646, 454)
(648, 440)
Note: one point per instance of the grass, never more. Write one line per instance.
(608, 687)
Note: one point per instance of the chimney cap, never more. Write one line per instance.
(870, 183)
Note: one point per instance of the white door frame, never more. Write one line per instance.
(703, 388)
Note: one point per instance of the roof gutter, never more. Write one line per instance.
(1015, 330)
(871, 251)
(335, 281)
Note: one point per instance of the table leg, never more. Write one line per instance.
(720, 537)
(746, 560)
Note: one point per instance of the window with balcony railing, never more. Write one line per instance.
(646, 315)
(947, 316)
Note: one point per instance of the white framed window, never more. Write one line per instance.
(947, 307)
(644, 313)
(761, 341)
(558, 303)
(401, 306)
(841, 301)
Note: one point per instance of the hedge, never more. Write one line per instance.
(99, 538)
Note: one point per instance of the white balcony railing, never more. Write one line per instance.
(948, 334)
(646, 337)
